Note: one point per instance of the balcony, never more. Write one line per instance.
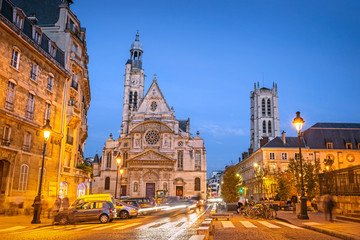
(69, 140)
(73, 115)
(74, 85)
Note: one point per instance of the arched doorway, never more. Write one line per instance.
(81, 190)
(4, 174)
(63, 189)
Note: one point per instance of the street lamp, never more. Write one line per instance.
(37, 201)
(121, 172)
(298, 123)
(118, 161)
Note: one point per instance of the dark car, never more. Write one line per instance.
(144, 202)
(103, 211)
(133, 203)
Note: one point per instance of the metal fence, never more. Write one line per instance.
(344, 182)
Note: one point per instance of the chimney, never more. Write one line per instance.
(33, 19)
(264, 141)
(283, 137)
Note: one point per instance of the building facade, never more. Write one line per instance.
(214, 183)
(33, 76)
(157, 150)
(264, 110)
(337, 141)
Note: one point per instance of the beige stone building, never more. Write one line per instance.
(42, 77)
(32, 84)
(158, 150)
(338, 141)
(61, 25)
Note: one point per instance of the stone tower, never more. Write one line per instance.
(133, 84)
(265, 123)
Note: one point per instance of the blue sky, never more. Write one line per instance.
(208, 54)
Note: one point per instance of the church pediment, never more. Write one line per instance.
(144, 126)
(151, 156)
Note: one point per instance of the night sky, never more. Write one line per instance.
(208, 54)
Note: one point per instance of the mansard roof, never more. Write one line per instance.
(290, 142)
(46, 11)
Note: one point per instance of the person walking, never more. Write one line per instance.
(65, 203)
(329, 204)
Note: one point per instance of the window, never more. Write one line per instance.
(74, 81)
(24, 173)
(311, 156)
(10, 96)
(50, 83)
(47, 112)
(15, 58)
(197, 184)
(297, 156)
(264, 127)
(108, 160)
(272, 168)
(197, 160)
(37, 34)
(263, 107)
(107, 183)
(348, 145)
(268, 107)
(34, 71)
(180, 159)
(18, 18)
(272, 155)
(6, 136)
(284, 156)
(269, 127)
(27, 141)
(329, 145)
(52, 49)
(30, 106)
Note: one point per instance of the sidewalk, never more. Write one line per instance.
(317, 222)
(22, 220)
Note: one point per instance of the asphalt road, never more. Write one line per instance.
(166, 225)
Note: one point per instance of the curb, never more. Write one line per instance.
(320, 230)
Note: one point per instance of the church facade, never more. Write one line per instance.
(157, 150)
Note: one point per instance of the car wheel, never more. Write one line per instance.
(64, 220)
(104, 218)
(124, 214)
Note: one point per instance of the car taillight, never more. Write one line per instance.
(110, 210)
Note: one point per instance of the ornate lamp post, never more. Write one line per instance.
(37, 201)
(118, 161)
(121, 172)
(298, 123)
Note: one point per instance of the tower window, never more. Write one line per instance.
(264, 127)
(263, 107)
(108, 160)
(130, 98)
(268, 107)
(269, 127)
(107, 183)
(135, 99)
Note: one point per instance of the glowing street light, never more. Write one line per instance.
(121, 173)
(118, 161)
(298, 123)
(37, 201)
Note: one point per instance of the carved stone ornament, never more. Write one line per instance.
(152, 137)
(153, 106)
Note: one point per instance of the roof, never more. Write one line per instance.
(46, 11)
(336, 125)
(96, 159)
(291, 142)
(182, 124)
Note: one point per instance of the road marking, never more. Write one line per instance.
(12, 228)
(227, 224)
(288, 225)
(248, 224)
(267, 224)
(312, 223)
(88, 227)
(33, 230)
(127, 226)
(109, 226)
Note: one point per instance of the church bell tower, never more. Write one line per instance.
(133, 84)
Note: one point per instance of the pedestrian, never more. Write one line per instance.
(65, 203)
(241, 204)
(57, 205)
(329, 206)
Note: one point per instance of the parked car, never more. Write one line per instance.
(145, 202)
(103, 211)
(133, 203)
(94, 197)
(124, 210)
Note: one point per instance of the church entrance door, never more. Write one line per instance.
(179, 191)
(150, 190)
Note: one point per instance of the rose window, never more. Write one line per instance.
(153, 106)
(152, 137)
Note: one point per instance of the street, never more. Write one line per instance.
(169, 225)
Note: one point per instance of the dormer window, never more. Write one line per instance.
(329, 145)
(52, 48)
(36, 34)
(18, 17)
(348, 145)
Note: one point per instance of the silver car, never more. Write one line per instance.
(124, 210)
(103, 211)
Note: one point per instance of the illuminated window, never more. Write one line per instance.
(348, 145)
(272, 155)
(329, 145)
(284, 156)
